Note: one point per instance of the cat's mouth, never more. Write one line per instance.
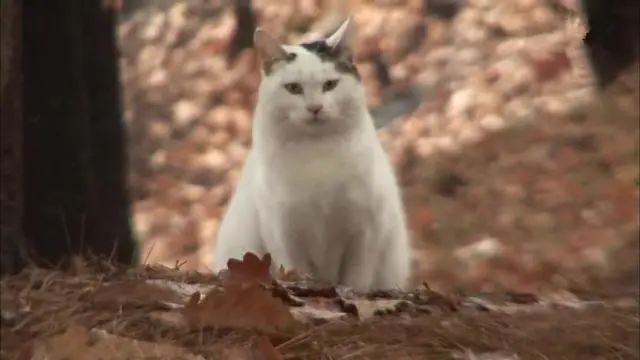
(316, 120)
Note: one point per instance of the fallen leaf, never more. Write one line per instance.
(264, 350)
(251, 269)
(239, 306)
(624, 200)
(421, 218)
(551, 66)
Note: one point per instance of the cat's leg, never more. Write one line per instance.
(393, 269)
(239, 231)
(358, 265)
(285, 237)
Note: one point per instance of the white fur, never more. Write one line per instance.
(321, 197)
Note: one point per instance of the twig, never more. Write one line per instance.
(153, 245)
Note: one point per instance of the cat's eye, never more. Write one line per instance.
(329, 85)
(293, 88)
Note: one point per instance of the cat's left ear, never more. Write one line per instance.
(269, 48)
(341, 40)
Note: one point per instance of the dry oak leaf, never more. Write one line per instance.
(264, 350)
(240, 306)
(251, 269)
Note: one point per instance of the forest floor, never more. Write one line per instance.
(96, 311)
(521, 184)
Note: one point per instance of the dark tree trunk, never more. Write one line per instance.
(74, 169)
(245, 26)
(613, 40)
(11, 203)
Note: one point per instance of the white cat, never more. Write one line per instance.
(317, 190)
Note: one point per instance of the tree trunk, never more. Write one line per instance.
(74, 176)
(613, 39)
(245, 26)
(11, 203)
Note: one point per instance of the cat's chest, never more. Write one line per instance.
(323, 172)
(320, 173)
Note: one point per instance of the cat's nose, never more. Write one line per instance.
(314, 108)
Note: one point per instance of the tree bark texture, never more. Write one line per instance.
(613, 40)
(245, 27)
(75, 192)
(11, 204)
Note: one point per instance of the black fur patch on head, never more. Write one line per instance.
(267, 66)
(341, 60)
(319, 48)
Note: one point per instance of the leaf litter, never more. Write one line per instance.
(246, 315)
(41, 304)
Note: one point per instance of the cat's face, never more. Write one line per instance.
(310, 90)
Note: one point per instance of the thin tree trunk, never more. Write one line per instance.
(11, 201)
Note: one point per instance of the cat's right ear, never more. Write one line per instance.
(268, 47)
(341, 41)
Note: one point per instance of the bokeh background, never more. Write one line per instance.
(517, 172)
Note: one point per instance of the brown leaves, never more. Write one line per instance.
(624, 198)
(552, 65)
(61, 326)
(250, 269)
(264, 350)
(240, 306)
(245, 302)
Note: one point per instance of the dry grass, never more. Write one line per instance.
(39, 303)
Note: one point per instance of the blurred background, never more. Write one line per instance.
(518, 162)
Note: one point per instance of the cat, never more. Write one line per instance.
(317, 190)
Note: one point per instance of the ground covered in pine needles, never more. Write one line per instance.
(97, 311)
(517, 175)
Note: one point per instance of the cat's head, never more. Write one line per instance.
(312, 89)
